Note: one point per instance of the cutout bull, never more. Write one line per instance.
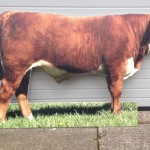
(65, 46)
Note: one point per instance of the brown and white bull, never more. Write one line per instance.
(65, 46)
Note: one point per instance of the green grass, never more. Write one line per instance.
(91, 114)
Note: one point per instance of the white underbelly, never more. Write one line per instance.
(61, 75)
(58, 74)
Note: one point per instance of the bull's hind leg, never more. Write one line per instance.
(21, 94)
(6, 92)
(3, 110)
(114, 76)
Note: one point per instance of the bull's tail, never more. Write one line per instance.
(1, 67)
(1, 60)
(3, 16)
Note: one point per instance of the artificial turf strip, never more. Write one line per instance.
(90, 114)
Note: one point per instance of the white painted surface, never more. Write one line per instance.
(85, 88)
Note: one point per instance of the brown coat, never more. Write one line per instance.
(73, 44)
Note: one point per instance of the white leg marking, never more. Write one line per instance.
(2, 121)
(30, 117)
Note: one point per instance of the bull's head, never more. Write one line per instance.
(144, 47)
(145, 43)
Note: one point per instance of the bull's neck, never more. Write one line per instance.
(140, 27)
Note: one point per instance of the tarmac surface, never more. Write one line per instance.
(98, 138)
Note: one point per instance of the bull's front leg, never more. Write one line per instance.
(6, 92)
(114, 76)
(115, 89)
(21, 94)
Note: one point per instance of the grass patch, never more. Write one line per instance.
(91, 114)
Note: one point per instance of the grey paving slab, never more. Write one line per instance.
(143, 117)
(125, 138)
(49, 139)
(102, 138)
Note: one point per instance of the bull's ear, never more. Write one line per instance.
(146, 36)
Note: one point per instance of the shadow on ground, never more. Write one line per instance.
(48, 110)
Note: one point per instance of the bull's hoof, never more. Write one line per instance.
(2, 121)
(116, 112)
(30, 117)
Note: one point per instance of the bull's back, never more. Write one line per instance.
(68, 43)
(74, 44)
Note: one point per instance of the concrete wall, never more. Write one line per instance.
(88, 88)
